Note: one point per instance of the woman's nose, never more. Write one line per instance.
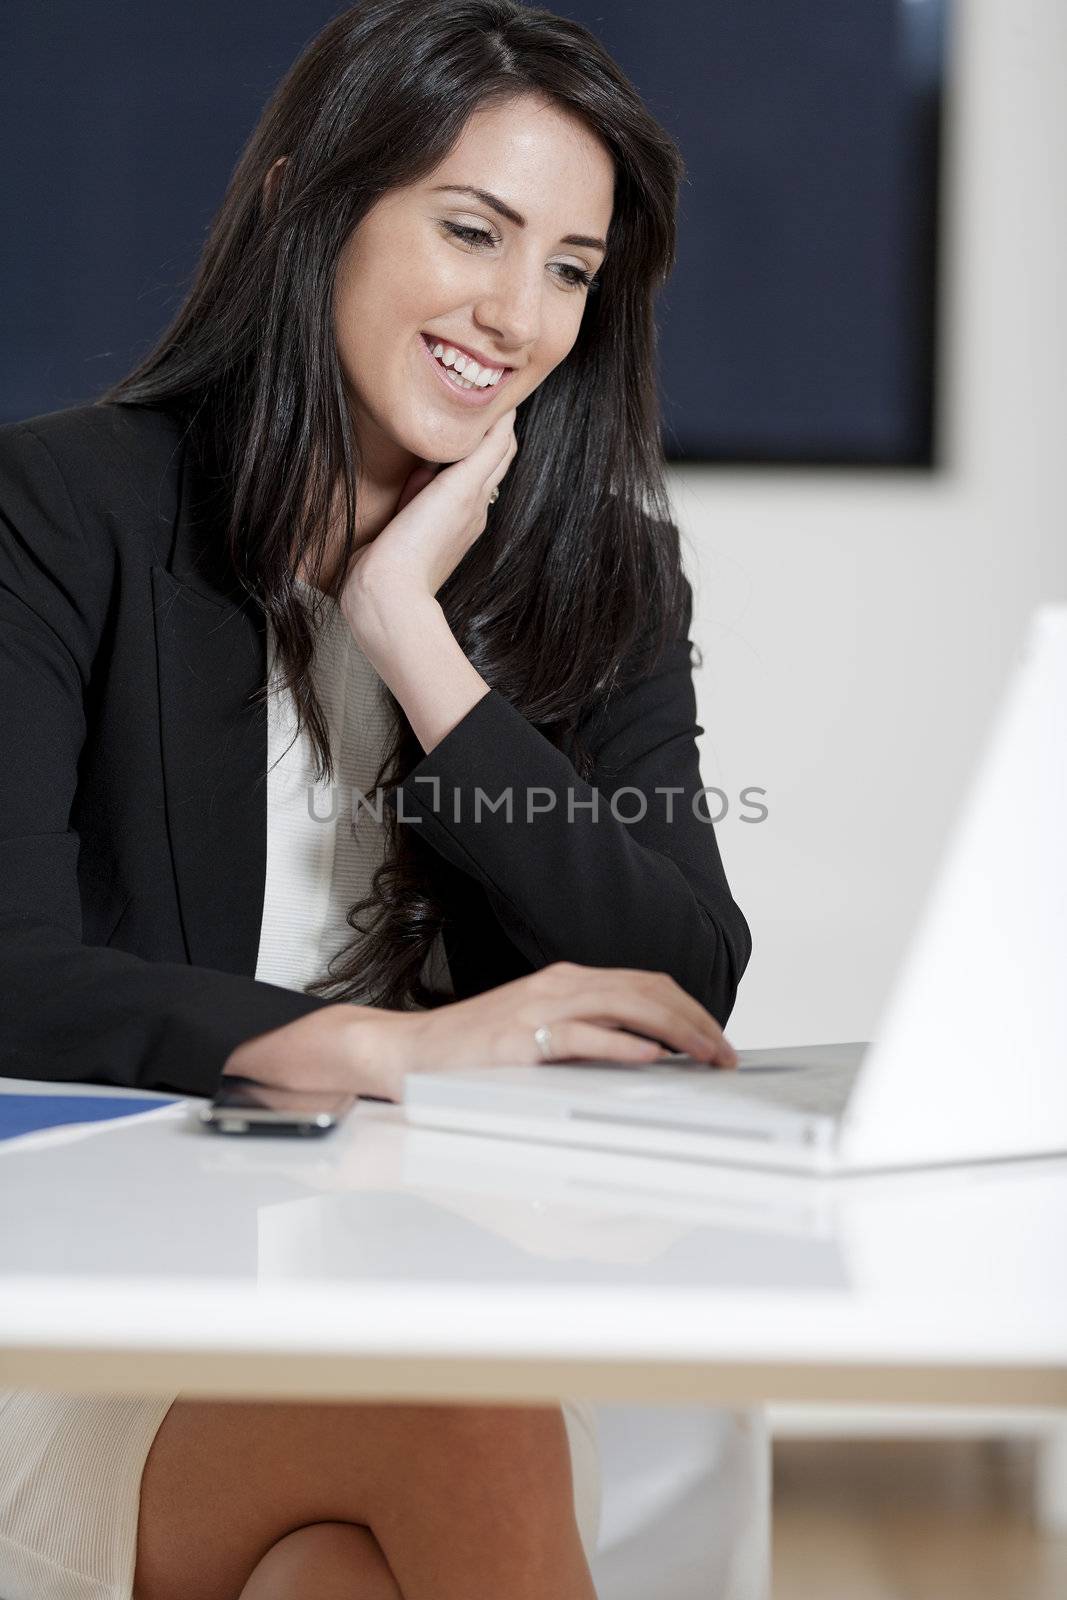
(511, 311)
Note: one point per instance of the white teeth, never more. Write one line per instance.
(467, 374)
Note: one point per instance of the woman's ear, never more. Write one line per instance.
(271, 184)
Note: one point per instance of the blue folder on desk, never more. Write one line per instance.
(27, 1113)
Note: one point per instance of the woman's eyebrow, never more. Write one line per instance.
(504, 210)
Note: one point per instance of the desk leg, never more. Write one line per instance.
(1050, 1481)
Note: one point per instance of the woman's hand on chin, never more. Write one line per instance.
(439, 516)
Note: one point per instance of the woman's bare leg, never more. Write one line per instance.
(464, 1502)
(326, 1561)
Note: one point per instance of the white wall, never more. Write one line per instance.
(857, 627)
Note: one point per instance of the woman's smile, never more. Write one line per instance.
(464, 393)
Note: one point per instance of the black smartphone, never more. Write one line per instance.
(241, 1105)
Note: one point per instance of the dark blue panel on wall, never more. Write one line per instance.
(125, 119)
(798, 325)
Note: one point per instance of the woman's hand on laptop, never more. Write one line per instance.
(593, 1013)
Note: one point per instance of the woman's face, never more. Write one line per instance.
(510, 290)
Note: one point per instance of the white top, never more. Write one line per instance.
(324, 841)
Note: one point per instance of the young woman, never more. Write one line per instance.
(382, 518)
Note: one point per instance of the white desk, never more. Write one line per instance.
(151, 1255)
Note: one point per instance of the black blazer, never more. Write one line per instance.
(133, 800)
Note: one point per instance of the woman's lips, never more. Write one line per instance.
(467, 397)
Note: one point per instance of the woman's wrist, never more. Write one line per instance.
(343, 1046)
(406, 637)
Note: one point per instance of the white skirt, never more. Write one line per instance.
(70, 1489)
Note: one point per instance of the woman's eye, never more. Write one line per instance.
(470, 234)
(478, 238)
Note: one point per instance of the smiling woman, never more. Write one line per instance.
(405, 130)
(383, 510)
(427, 260)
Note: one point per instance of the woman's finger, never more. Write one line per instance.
(505, 460)
(660, 987)
(669, 993)
(475, 476)
(497, 440)
(581, 1041)
(648, 1015)
(506, 449)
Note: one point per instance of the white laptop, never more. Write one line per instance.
(970, 1059)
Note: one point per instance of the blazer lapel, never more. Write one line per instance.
(211, 653)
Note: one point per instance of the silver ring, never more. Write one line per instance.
(543, 1041)
(494, 494)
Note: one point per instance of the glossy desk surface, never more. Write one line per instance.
(392, 1260)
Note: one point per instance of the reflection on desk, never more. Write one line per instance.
(428, 1250)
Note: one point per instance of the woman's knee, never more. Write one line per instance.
(517, 1456)
(329, 1560)
(226, 1482)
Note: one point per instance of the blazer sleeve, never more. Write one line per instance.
(69, 1011)
(567, 877)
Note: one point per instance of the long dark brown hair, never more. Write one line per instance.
(577, 582)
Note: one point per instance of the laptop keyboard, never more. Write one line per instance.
(821, 1087)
